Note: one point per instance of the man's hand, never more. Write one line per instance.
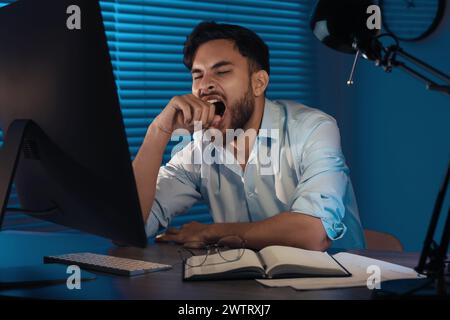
(182, 111)
(291, 229)
(193, 232)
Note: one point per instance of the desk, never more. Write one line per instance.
(25, 248)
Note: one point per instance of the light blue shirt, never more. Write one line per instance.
(307, 174)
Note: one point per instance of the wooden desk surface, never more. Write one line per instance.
(22, 248)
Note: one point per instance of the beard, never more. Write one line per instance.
(242, 110)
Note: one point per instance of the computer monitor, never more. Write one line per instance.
(65, 144)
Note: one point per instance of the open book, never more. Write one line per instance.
(270, 262)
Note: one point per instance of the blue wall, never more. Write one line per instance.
(395, 134)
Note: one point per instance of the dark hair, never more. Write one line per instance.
(249, 44)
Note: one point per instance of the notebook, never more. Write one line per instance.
(357, 265)
(270, 262)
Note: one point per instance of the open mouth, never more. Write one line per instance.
(220, 107)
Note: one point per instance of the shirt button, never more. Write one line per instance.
(251, 194)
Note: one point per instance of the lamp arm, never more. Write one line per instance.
(430, 85)
(390, 60)
(422, 64)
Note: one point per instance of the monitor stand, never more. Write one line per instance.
(15, 277)
(9, 158)
(19, 140)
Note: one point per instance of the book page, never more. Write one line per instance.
(215, 264)
(357, 265)
(279, 259)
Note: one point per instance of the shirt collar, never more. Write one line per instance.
(270, 120)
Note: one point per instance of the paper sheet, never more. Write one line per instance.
(357, 265)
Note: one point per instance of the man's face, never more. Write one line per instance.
(221, 74)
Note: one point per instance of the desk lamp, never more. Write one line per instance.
(342, 26)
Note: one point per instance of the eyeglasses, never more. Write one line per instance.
(228, 249)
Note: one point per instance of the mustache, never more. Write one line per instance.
(213, 93)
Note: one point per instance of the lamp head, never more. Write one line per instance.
(342, 25)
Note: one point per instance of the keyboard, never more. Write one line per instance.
(108, 264)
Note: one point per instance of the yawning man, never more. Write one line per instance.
(302, 197)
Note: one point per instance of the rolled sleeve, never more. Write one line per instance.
(314, 199)
(152, 226)
(324, 180)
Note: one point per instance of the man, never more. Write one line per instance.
(306, 200)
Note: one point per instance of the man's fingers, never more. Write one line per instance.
(197, 111)
(172, 231)
(205, 115)
(212, 111)
(194, 245)
(185, 109)
(187, 113)
(201, 109)
(167, 237)
(189, 109)
(208, 113)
